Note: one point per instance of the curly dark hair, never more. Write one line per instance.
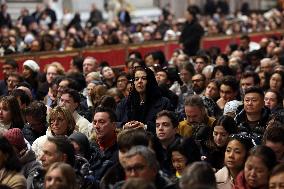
(152, 94)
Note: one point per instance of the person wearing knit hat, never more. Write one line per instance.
(16, 138)
(30, 73)
(32, 65)
(25, 154)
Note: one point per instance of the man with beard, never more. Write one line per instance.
(197, 123)
(198, 83)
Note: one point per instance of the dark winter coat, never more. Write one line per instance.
(191, 36)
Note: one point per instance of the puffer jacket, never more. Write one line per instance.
(258, 129)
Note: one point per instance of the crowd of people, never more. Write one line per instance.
(40, 30)
(202, 119)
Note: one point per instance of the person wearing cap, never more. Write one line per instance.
(24, 152)
(30, 73)
(192, 33)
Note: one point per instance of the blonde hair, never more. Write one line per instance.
(59, 68)
(67, 115)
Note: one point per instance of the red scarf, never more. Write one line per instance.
(106, 143)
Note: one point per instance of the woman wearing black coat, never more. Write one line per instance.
(144, 101)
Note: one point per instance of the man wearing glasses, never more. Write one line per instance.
(141, 163)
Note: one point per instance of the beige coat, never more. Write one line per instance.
(223, 179)
(13, 179)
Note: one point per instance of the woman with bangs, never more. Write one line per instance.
(61, 122)
(144, 101)
(10, 114)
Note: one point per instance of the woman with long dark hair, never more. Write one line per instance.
(144, 101)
